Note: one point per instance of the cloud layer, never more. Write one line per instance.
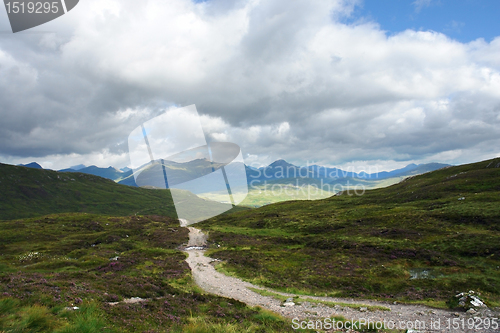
(281, 79)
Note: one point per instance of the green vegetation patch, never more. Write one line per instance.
(93, 273)
(422, 240)
(26, 192)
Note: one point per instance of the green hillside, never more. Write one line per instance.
(421, 240)
(26, 192)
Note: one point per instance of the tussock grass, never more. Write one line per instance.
(15, 318)
(265, 321)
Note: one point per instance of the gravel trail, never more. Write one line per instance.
(407, 316)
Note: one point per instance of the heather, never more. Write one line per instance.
(79, 273)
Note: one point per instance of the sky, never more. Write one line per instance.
(344, 83)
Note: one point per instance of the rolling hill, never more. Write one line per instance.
(27, 192)
(109, 173)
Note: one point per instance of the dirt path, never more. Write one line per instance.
(217, 283)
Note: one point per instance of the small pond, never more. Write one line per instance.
(423, 273)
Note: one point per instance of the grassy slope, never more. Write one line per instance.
(57, 261)
(26, 192)
(368, 246)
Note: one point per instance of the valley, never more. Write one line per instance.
(86, 254)
(445, 222)
(277, 182)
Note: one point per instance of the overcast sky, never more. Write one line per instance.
(338, 83)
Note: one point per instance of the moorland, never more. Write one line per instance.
(419, 241)
(79, 253)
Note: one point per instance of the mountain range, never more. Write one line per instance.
(279, 181)
(277, 171)
(281, 169)
(109, 173)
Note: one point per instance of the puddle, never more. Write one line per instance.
(422, 273)
(195, 248)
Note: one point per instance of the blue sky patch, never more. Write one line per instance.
(462, 20)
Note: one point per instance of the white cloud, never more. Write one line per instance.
(280, 79)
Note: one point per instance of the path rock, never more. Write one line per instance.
(471, 311)
(469, 300)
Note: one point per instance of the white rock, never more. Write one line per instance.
(69, 308)
(476, 302)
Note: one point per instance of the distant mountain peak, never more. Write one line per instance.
(32, 165)
(281, 163)
(77, 167)
(412, 165)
